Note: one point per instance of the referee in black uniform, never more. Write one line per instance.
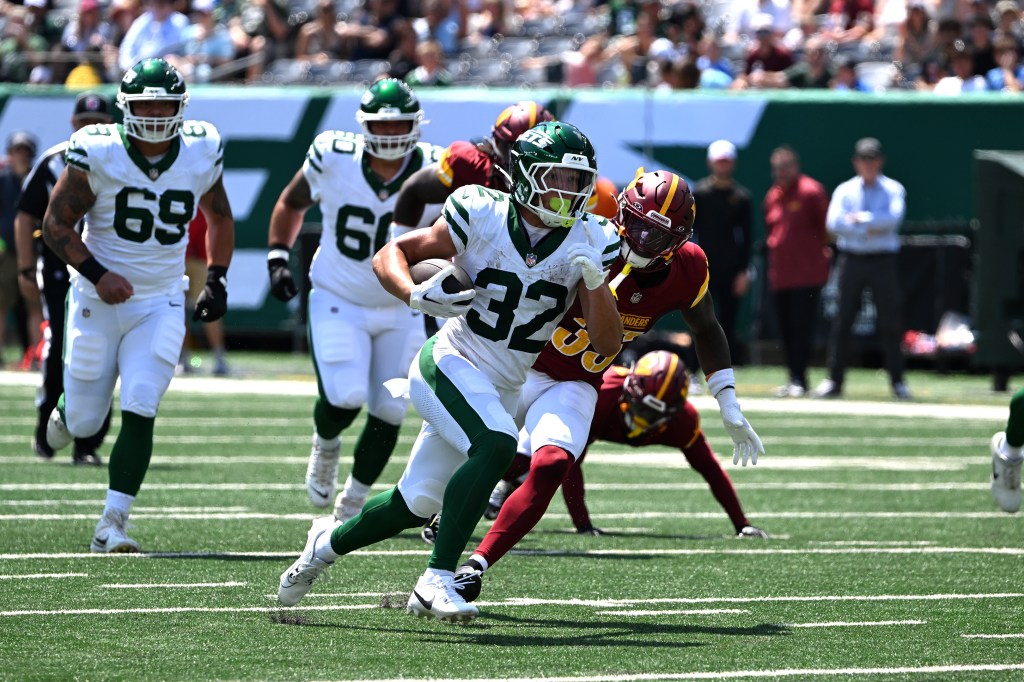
(42, 274)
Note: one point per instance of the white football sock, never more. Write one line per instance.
(356, 490)
(322, 549)
(119, 501)
(328, 443)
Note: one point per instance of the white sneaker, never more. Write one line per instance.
(110, 536)
(498, 497)
(322, 474)
(751, 532)
(347, 507)
(435, 596)
(57, 435)
(1005, 475)
(296, 581)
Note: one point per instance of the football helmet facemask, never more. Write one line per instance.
(390, 99)
(656, 213)
(653, 392)
(152, 80)
(554, 168)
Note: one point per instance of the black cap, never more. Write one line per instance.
(22, 138)
(867, 147)
(92, 104)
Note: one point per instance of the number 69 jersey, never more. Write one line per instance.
(357, 209)
(522, 290)
(138, 226)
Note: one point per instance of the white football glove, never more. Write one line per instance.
(433, 300)
(746, 444)
(588, 258)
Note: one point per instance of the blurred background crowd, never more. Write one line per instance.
(946, 46)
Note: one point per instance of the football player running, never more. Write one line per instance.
(138, 185)
(657, 271)
(526, 253)
(360, 335)
(639, 406)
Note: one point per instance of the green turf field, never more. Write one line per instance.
(888, 560)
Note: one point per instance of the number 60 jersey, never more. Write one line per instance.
(138, 226)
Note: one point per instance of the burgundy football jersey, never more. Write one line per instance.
(682, 431)
(642, 300)
(463, 163)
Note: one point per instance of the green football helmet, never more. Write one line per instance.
(149, 80)
(554, 169)
(390, 99)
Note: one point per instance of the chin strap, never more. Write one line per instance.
(615, 283)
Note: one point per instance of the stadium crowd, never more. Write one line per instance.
(946, 46)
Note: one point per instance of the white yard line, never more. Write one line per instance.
(196, 514)
(608, 603)
(149, 586)
(996, 551)
(34, 576)
(734, 674)
(307, 387)
(1012, 635)
(849, 624)
(673, 612)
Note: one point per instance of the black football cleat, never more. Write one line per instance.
(85, 458)
(468, 580)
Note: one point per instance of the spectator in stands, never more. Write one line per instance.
(259, 27)
(403, 58)
(22, 47)
(87, 29)
(846, 79)
(743, 12)
(850, 21)
(1008, 21)
(21, 150)
(962, 80)
(1009, 75)
(431, 71)
(636, 50)
(722, 228)
(681, 73)
(439, 23)
(767, 54)
(812, 71)
(322, 39)
(710, 57)
(796, 239)
(377, 28)
(981, 30)
(915, 44)
(157, 32)
(484, 21)
(937, 66)
(865, 215)
(207, 44)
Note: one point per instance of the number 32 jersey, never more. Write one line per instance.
(357, 209)
(522, 290)
(138, 226)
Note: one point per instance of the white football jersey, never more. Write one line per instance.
(357, 209)
(522, 291)
(138, 226)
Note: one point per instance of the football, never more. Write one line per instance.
(454, 283)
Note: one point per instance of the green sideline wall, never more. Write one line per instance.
(929, 143)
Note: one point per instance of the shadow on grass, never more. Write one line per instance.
(498, 629)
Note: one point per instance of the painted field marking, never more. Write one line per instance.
(195, 514)
(149, 586)
(1012, 635)
(673, 612)
(33, 576)
(202, 487)
(736, 674)
(851, 624)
